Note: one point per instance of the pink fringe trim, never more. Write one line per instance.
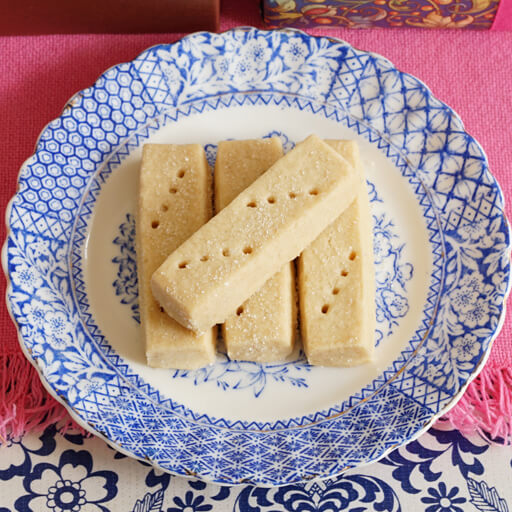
(486, 406)
(25, 406)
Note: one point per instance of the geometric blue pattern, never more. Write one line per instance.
(118, 365)
(461, 202)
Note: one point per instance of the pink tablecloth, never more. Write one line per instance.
(470, 71)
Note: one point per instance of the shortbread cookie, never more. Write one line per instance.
(337, 284)
(174, 202)
(262, 328)
(230, 258)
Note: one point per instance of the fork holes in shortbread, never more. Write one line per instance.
(204, 258)
(325, 308)
(173, 190)
(344, 273)
(292, 195)
(225, 252)
(352, 256)
(313, 192)
(271, 200)
(183, 264)
(155, 224)
(164, 207)
(252, 204)
(240, 310)
(181, 173)
(247, 250)
(335, 291)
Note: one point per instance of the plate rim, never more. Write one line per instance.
(406, 355)
(207, 478)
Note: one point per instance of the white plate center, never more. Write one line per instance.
(249, 391)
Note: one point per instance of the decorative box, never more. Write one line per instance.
(474, 14)
(107, 16)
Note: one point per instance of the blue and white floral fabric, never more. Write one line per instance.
(440, 472)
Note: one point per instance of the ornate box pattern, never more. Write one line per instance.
(473, 14)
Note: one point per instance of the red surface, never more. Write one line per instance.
(470, 71)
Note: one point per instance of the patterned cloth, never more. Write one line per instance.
(440, 472)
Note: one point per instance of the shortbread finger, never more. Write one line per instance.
(263, 328)
(337, 284)
(232, 256)
(174, 202)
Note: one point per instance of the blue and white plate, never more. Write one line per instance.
(442, 247)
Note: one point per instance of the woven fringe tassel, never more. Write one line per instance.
(486, 406)
(25, 406)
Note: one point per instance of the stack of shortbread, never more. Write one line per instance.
(236, 268)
